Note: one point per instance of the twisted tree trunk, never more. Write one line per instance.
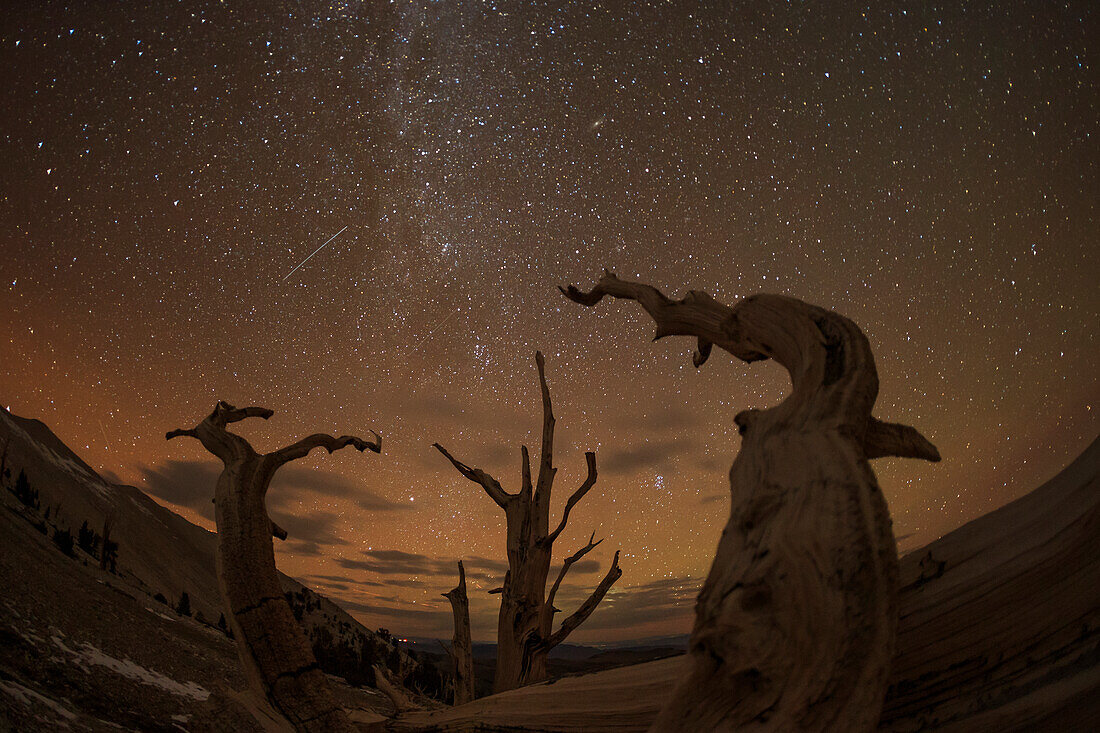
(796, 623)
(462, 648)
(273, 649)
(523, 636)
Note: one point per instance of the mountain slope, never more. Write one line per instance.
(159, 553)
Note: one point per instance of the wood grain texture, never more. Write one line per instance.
(275, 654)
(462, 647)
(795, 625)
(998, 633)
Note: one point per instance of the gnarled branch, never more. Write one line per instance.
(525, 469)
(546, 458)
(589, 482)
(320, 440)
(225, 413)
(578, 617)
(826, 356)
(891, 439)
(492, 487)
(568, 563)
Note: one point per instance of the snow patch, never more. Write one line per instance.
(25, 695)
(89, 655)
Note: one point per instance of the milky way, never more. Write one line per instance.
(929, 172)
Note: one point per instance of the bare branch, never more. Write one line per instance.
(568, 563)
(321, 440)
(578, 617)
(492, 487)
(589, 482)
(891, 439)
(181, 431)
(277, 531)
(697, 314)
(460, 589)
(495, 591)
(225, 413)
(526, 469)
(546, 459)
(827, 356)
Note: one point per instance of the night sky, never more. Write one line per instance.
(929, 172)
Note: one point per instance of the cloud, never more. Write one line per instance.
(311, 528)
(649, 454)
(581, 567)
(291, 480)
(191, 484)
(437, 618)
(188, 484)
(311, 549)
(659, 600)
(409, 565)
(660, 419)
(333, 578)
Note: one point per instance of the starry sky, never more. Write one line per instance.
(928, 170)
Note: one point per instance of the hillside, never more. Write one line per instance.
(66, 613)
(999, 632)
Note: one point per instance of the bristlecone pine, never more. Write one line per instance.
(274, 652)
(462, 648)
(796, 623)
(524, 626)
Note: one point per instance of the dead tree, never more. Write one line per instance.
(274, 652)
(796, 623)
(109, 552)
(462, 648)
(526, 616)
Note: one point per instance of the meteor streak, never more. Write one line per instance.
(334, 236)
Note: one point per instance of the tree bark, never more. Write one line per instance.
(522, 628)
(273, 649)
(462, 648)
(796, 623)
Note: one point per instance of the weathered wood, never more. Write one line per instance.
(796, 623)
(400, 699)
(997, 633)
(462, 647)
(273, 649)
(523, 624)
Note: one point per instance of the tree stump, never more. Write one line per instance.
(795, 625)
(275, 654)
(462, 647)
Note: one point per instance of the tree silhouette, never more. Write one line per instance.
(795, 626)
(525, 622)
(274, 650)
(462, 650)
(183, 608)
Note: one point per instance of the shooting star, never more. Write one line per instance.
(334, 236)
(429, 333)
